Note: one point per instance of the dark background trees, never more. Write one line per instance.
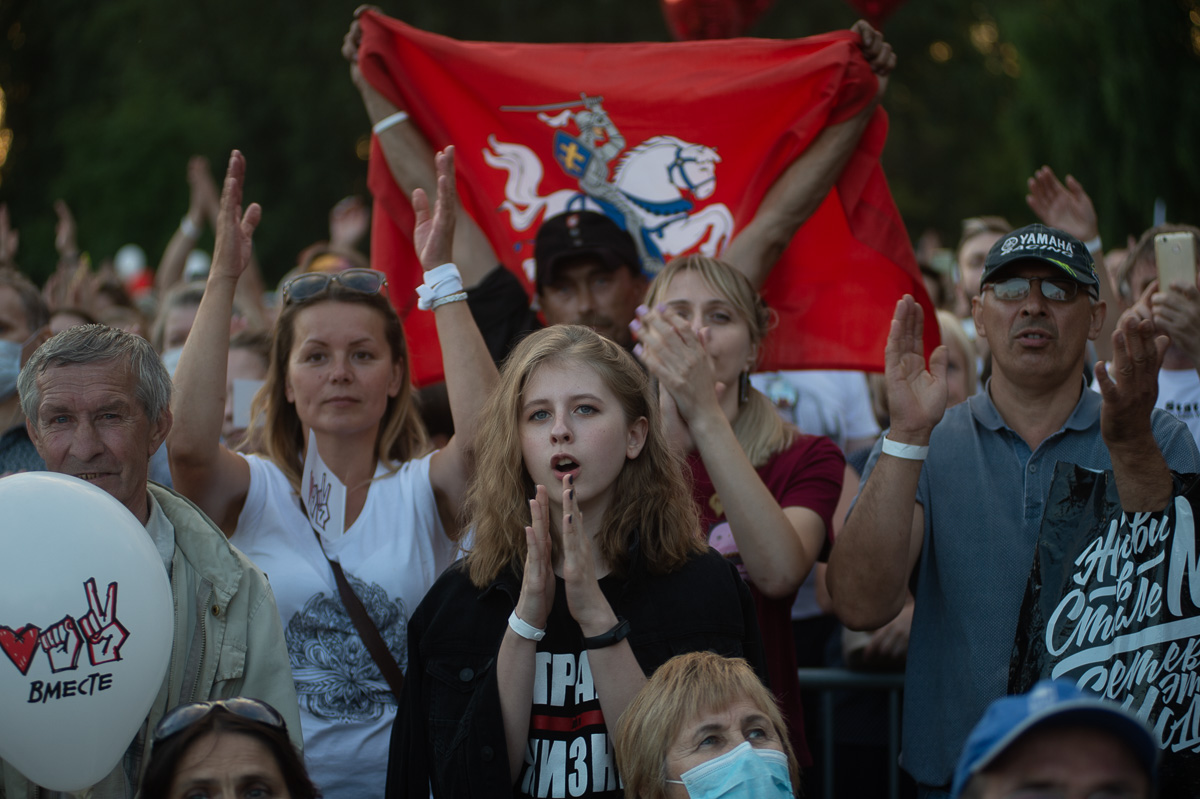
(106, 101)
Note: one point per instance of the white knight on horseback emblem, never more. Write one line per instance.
(651, 193)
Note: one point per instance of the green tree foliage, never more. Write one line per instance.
(106, 102)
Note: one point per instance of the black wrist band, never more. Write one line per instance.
(613, 636)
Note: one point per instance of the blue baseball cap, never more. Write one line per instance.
(1056, 702)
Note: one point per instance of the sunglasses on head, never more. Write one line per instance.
(314, 284)
(1059, 289)
(183, 716)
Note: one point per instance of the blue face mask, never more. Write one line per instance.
(10, 367)
(741, 773)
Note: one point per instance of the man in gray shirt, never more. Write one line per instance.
(957, 496)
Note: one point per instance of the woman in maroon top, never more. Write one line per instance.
(766, 491)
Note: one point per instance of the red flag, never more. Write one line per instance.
(677, 142)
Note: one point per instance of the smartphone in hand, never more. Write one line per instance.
(1176, 257)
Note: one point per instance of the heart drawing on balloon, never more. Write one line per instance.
(20, 645)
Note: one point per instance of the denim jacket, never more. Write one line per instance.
(449, 733)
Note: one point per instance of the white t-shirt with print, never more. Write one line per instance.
(391, 555)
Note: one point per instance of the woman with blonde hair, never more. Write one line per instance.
(704, 725)
(586, 571)
(337, 383)
(766, 492)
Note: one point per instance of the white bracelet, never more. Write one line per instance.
(1094, 245)
(910, 452)
(389, 121)
(458, 296)
(188, 228)
(524, 629)
(441, 281)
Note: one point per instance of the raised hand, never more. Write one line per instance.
(433, 235)
(64, 232)
(350, 45)
(1129, 385)
(203, 200)
(1176, 312)
(879, 53)
(1066, 207)
(537, 583)
(675, 356)
(349, 221)
(916, 395)
(235, 229)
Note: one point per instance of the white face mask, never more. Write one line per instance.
(741, 773)
(10, 367)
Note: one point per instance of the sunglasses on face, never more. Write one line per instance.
(314, 284)
(1017, 288)
(183, 716)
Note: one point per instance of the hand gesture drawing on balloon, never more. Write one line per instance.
(105, 635)
(61, 642)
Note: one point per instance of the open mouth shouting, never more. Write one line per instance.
(563, 465)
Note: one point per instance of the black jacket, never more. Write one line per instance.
(449, 732)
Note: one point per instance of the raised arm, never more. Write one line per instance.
(1068, 207)
(1141, 473)
(202, 210)
(470, 372)
(778, 545)
(797, 193)
(410, 159)
(875, 553)
(202, 468)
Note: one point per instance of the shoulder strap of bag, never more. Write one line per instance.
(367, 630)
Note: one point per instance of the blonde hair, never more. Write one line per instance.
(651, 494)
(952, 331)
(275, 423)
(680, 690)
(759, 428)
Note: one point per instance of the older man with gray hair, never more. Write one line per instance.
(97, 403)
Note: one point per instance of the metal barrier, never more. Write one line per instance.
(825, 680)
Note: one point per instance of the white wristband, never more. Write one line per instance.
(389, 121)
(1094, 245)
(910, 452)
(441, 281)
(188, 228)
(524, 629)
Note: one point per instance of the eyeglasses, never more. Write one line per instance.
(183, 716)
(1017, 288)
(305, 287)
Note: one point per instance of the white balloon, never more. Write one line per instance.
(86, 625)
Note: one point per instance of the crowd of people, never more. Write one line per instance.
(591, 562)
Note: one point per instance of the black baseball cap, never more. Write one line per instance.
(582, 233)
(1048, 245)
